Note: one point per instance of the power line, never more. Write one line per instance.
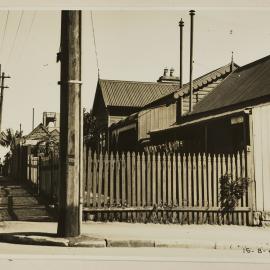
(14, 41)
(4, 34)
(29, 32)
(94, 38)
(31, 24)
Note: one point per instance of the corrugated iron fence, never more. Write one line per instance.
(141, 187)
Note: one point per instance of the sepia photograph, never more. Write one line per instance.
(135, 134)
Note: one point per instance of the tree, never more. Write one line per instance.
(89, 128)
(8, 138)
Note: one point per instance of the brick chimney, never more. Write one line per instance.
(165, 72)
(168, 78)
(171, 72)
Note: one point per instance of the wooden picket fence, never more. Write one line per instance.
(44, 175)
(161, 188)
(141, 187)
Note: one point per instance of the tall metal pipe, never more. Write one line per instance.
(181, 25)
(191, 13)
(33, 118)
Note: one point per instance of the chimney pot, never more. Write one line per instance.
(171, 72)
(165, 72)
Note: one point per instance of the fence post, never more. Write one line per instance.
(179, 179)
(158, 179)
(250, 174)
(100, 178)
(123, 179)
(117, 179)
(128, 179)
(106, 178)
(95, 170)
(200, 188)
(111, 179)
(133, 179)
(243, 174)
(39, 175)
(164, 177)
(85, 170)
(148, 179)
(138, 179)
(89, 178)
(51, 160)
(154, 179)
(251, 186)
(29, 168)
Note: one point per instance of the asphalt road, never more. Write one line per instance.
(14, 256)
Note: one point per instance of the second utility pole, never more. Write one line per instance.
(3, 77)
(69, 216)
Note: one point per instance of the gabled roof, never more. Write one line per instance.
(207, 78)
(198, 83)
(40, 132)
(245, 84)
(133, 94)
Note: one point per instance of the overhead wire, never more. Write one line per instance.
(95, 45)
(28, 33)
(4, 33)
(15, 38)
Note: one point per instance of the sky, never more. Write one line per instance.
(130, 45)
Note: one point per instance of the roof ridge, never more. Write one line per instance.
(253, 63)
(161, 83)
(40, 125)
(164, 83)
(253, 84)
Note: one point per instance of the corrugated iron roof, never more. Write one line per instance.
(197, 84)
(206, 79)
(245, 84)
(133, 94)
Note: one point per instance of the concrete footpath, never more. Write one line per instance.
(140, 235)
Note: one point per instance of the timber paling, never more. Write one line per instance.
(158, 188)
(168, 188)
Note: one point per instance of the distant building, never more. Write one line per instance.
(45, 134)
(51, 120)
(38, 134)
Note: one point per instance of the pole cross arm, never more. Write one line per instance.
(5, 77)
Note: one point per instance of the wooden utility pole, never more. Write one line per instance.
(3, 77)
(69, 223)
